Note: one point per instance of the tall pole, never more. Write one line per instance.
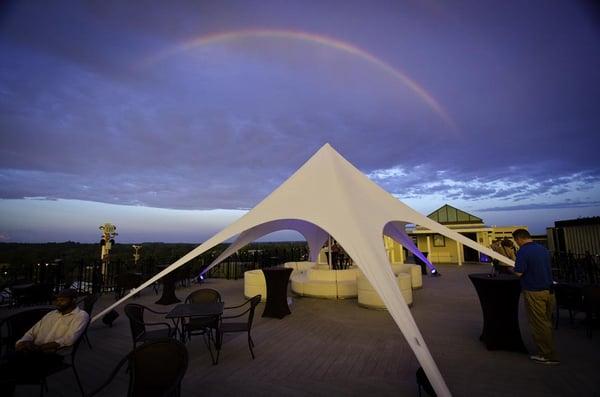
(329, 252)
(109, 232)
(136, 253)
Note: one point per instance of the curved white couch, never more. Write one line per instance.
(254, 284)
(416, 278)
(326, 283)
(299, 267)
(369, 298)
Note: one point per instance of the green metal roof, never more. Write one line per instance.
(450, 215)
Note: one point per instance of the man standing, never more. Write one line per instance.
(43, 346)
(533, 266)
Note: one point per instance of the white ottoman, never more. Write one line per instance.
(255, 284)
(368, 297)
(416, 278)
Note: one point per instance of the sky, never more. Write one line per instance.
(172, 119)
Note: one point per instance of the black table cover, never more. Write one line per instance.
(168, 296)
(499, 298)
(277, 280)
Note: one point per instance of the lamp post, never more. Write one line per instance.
(136, 253)
(109, 232)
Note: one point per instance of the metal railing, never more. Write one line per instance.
(87, 277)
(576, 268)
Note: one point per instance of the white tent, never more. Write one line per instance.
(329, 196)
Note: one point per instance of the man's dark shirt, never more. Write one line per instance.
(533, 260)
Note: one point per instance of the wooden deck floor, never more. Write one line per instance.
(335, 348)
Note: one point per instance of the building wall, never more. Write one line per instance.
(577, 239)
(504, 232)
(449, 253)
(551, 240)
(446, 254)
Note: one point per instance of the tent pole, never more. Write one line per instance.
(329, 252)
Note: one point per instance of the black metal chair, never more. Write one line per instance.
(240, 326)
(201, 326)
(135, 314)
(567, 297)
(591, 303)
(423, 383)
(203, 295)
(87, 304)
(155, 368)
(67, 362)
(13, 327)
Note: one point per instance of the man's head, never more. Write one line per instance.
(521, 237)
(65, 300)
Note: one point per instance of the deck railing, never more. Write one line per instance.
(118, 275)
(576, 268)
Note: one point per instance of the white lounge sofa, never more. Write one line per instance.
(299, 267)
(326, 283)
(369, 298)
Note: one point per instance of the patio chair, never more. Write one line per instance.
(88, 303)
(591, 302)
(155, 368)
(67, 362)
(242, 326)
(202, 326)
(567, 297)
(203, 295)
(13, 327)
(135, 314)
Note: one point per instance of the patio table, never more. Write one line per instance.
(168, 296)
(499, 298)
(277, 280)
(196, 310)
(193, 310)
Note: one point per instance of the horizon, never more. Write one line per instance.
(172, 124)
(93, 234)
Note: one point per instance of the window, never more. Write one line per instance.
(439, 240)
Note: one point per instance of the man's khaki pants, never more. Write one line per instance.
(539, 305)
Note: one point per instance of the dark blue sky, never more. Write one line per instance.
(171, 118)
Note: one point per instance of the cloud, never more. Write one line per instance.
(544, 206)
(221, 126)
(423, 180)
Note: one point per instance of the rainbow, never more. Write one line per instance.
(315, 39)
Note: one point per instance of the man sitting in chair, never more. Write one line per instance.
(45, 344)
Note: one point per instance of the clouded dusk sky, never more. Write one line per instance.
(171, 119)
